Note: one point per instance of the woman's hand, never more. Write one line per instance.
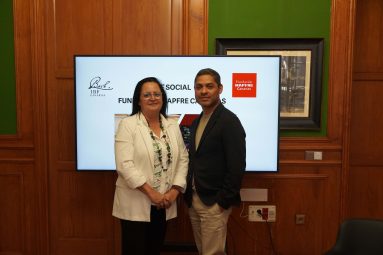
(171, 196)
(160, 200)
(154, 196)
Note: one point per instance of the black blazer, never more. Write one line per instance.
(220, 161)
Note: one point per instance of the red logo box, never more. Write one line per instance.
(244, 85)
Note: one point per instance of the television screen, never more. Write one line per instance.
(104, 88)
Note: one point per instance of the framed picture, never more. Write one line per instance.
(301, 75)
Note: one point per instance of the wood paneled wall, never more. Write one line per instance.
(366, 147)
(49, 208)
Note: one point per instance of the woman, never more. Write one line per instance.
(152, 162)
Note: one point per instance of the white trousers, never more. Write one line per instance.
(209, 225)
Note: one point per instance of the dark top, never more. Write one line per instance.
(219, 163)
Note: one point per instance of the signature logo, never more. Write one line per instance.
(244, 85)
(97, 86)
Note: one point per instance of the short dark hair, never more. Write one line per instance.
(209, 71)
(137, 93)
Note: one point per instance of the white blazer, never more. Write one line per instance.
(135, 164)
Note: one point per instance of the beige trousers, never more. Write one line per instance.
(209, 225)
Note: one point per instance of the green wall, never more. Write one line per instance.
(7, 70)
(274, 19)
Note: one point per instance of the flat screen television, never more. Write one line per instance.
(104, 88)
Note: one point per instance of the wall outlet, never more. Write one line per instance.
(262, 213)
(300, 219)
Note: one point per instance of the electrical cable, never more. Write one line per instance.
(270, 233)
(241, 215)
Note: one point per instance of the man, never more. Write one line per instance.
(217, 160)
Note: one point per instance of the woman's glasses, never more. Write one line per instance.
(148, 95)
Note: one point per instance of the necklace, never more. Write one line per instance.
(158, 149)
